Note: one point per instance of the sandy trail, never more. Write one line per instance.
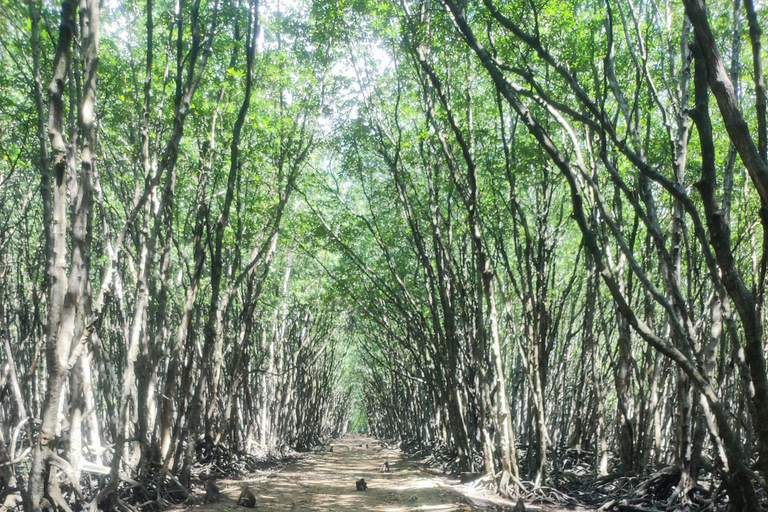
(325, 481)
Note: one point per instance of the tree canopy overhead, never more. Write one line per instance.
(525, 238)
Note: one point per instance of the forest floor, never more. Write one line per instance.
(325, 481)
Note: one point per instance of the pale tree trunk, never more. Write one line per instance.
(182, 332)
(37, 90)
(595, 380)
(64, 298)
(439, 288)
(213, 325)
(159, 210)
(92, 420)
(8, 473)
(484, 291)
(737, 480)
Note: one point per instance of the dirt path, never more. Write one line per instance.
(325, 481)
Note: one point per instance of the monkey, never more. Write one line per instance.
(520, 507)
(361, 485)
(212, 492)
(204, 448)
(385, 467)
(331, 449)
(247, 498)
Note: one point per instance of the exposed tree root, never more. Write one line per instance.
(512, 488)
(669, 489)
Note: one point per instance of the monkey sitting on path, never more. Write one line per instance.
(361, 485)
(520, 507)
(212, 493)
(385, 467)
(247, 498)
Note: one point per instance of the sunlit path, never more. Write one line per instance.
(325, 481)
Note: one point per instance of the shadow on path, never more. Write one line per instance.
(325, 481)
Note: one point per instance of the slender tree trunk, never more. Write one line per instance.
(64, 298)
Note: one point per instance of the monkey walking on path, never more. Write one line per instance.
(361, 485)
(247, 498)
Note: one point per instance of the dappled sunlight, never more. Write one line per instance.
(326, 481)
(419, 484)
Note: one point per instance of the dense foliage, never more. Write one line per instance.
(524, 237)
